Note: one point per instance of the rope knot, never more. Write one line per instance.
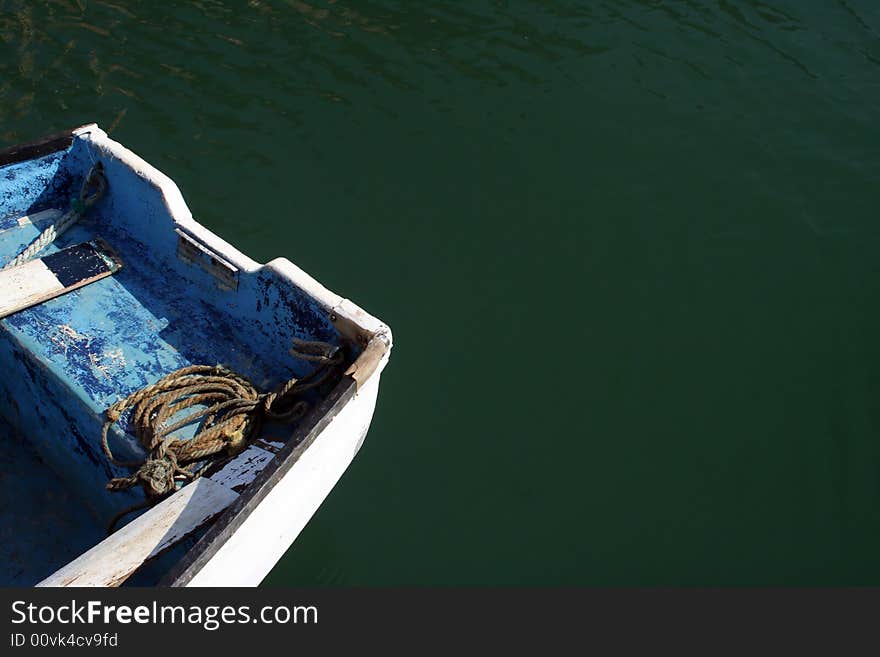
(234, 436)
(157, 475)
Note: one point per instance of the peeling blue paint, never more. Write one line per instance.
(33, 186)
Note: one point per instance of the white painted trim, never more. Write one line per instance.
(270, 529)
(244, 468)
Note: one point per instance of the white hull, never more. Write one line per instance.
(269, 531)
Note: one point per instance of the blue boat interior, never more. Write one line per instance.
(175, 302)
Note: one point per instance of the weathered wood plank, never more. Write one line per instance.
(112, 560)
(53, 275)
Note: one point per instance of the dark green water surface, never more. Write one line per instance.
(630, 252)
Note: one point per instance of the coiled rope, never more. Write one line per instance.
(92, 190)
(232, 414)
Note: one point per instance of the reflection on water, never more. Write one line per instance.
(653, 224)
(105, 48)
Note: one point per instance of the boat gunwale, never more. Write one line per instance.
(232, 518)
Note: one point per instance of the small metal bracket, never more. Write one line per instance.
(191, 251)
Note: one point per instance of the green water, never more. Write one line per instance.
(629, 252)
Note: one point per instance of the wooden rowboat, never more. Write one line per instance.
(111, 286)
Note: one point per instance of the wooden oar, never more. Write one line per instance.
(113, 560)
